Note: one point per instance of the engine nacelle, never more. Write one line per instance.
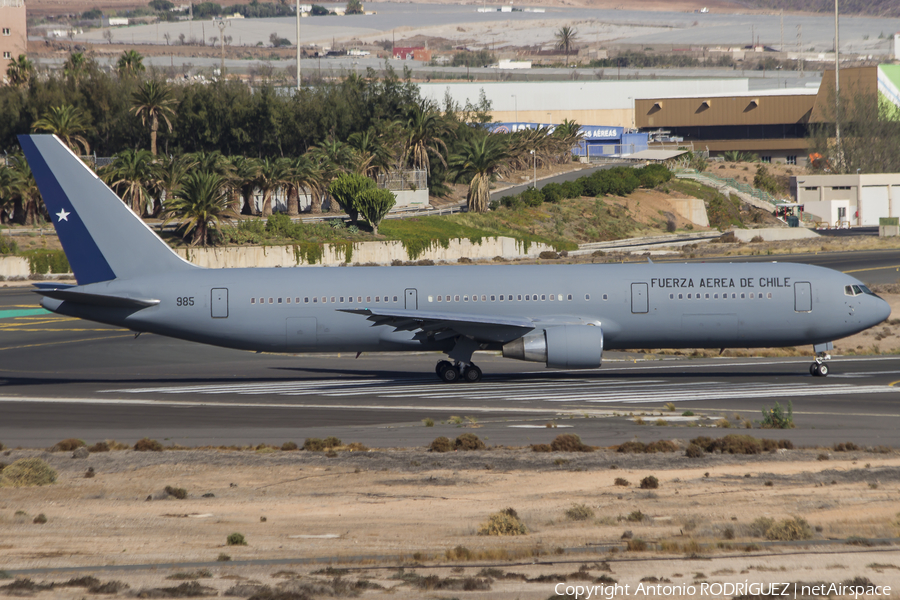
(560, 347)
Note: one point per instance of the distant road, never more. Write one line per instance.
(562, 177)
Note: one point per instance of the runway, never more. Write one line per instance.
(62, 377)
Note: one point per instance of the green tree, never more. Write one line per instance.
(130, 174)
(75, 66)
(370, 155)
(130, 63)
(346, 188)
(303, 174)
(245, 172)
(9, 189)
(27, 203)
(273, 174)
(565, 39)
(373, 204)
(69, 123)
(354, 7)
(425, 133)
(201, 203)
(478, 161)
(153, 102)
(169, 173)
(19, 71)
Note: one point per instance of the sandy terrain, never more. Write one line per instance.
(419, 505)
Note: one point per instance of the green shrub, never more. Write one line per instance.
(580, 512)
(553, 192)
(332, 442)
(40, 519)
(649, 483)
(778, 417)
(505, 522)
(428, 422)
(27, 472)
(288, 446)
(67, 445)
(42, 262)
(8, 245)
(179, 493)
(223, 557)
(636, 516)
(314, 445)
(572, 189)
(148, 445)
(469, 441)
(789, 530)
(441, 444)
(236, 539)
(569, 442)
(760, 526)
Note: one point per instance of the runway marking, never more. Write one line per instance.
(872, 269)
(93, 339)
(12, 314)
(576, 390)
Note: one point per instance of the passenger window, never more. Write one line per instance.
(715, 296)
(707, 296)
(431, 298)
(671, 296)
(377, 299)
(550, 297)
(368, 298)
(465, 298)
(288, 300)
(315, 299)
(501, 297)
(527, 297)
(324, 299)
(769, 295)
(543, 296)
(332, 299)
(681, 296)
(439, 298)
(483, 298)
(559, 297)
(342, 299)
(279, 301)
(534, 297)
(569, 297)
(306, 300)
(689, 296)
(271, 301)
(493, 298)
(743, 296)
(734, 296)
(252, 300)
(587, 296)
(395, 298)
(605, 296)
(752, 296)
(474, 297)
(456, 298)
(519, 298)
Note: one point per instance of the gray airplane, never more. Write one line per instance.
(563, 316)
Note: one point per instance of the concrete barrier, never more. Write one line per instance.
(382, 253)
(774, 234)
(14, 266)
(692, 209)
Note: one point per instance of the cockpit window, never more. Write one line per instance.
(848, 290)
(856, 290)
(866, 290)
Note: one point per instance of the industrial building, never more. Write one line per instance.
(857, 200)
(12, 33)
(596, 141)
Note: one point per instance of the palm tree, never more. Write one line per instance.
(153, 102)
(75, 65)
(201, 203)
(19, 71)
(479, 160)
(565, 39)
(130, 63)
(333, 157)
(245, 172)
(370, 155)
(9, 190)
(425, 131)
(169, 173)
(68, 123)
(130, 174)
(273, 174)
(28, 203)
(303, 173)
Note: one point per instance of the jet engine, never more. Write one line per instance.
(560, 347)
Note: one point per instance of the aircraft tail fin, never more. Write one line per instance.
(102, 238)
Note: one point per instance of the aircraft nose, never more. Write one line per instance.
(880, 311)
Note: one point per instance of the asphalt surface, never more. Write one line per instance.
(61, 378)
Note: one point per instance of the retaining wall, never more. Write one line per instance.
(14, 266)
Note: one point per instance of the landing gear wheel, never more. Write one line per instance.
(449, 374)
(813, 368)
(472, 374)
(441, 365)
(822, 370)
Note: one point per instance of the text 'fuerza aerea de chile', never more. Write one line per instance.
(720, 282)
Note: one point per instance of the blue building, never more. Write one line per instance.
(598, 141)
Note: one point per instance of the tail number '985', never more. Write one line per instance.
(184, 301)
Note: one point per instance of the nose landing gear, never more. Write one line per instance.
(819, 368)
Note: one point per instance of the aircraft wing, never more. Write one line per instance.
(434, 325)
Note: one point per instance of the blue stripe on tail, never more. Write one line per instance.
(85, 258)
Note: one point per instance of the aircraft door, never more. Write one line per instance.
(412, 302)
(802, 296)
(639, 301)
(219, 303)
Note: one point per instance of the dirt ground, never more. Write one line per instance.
(372, 512)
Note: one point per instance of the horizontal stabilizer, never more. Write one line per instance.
(69, 295)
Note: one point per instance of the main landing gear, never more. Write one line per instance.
(819, 368)
(453, 372)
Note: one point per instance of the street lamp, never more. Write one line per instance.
(534, 169)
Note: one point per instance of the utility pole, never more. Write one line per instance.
(782, 30)
(800, 48)
(298, 45)
(222, 25)
(837, 90)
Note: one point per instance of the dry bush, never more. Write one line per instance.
(505, 522)
(540, 448)
(569, 442)
(441, 444)
(632, 447)
(649, 483)
(148, 445)
(314, 445)
(789, 530)
(356, 447)
(846, 447)
(661, 446)
(636, 545)
(67, 445)
(27, 472)
(99, 447)
(468, 441)
(40, 519)
(636, 516)
(580, 512)
(179, 493)
(332, 442)
(622, 482)
(694, 451)
(288, 446)
(760, 526)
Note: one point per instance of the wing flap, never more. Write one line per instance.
(444, 325)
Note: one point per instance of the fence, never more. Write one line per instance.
(399, 181)
(734, 184)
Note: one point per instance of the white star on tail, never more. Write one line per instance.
(63, 215)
